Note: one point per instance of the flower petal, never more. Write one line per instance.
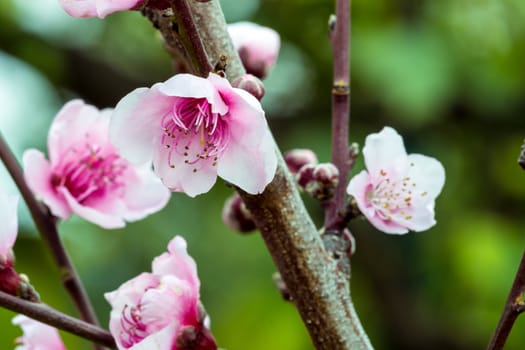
(161, 340)
(9, 220)
(136, 123)
(37, 335)
(384, 150)
(250, 160)
(106, 212)
(145, 194)
(38, 175)
(251, 167)
(188, 178)
(105, 7)
(428, 173)
(191, 86)
(177, 262)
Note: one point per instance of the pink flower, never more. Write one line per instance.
(87, 176)
(398, 191)
(160, 310)
(37, 336)
(258, 46)
(99, 8)
(8, 228)
(195, 129)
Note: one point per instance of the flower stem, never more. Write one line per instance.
(46, 225)
(514, 306)
(52, 317)
(319, 290)
(340, 38)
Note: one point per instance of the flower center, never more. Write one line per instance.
(89, 172)
(133, 329)
(193, 133)
(393, 197)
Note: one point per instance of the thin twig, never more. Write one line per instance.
(340, 38)
(52, 317)
(514, 306)
(46, 225)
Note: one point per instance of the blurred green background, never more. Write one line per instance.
(449, 75)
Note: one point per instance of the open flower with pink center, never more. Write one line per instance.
(37, 335)
(397, 192)
(8, 227)
(195, 129)
(97, 8)
(86, 175)
(258, 46)
(160, 310)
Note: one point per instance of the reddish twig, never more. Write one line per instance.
(52, 317)
(340, 38)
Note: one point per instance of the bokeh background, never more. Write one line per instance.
(449, 75)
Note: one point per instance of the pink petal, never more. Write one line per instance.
(74, 122)
(250, 161)
(188, 85)
(161, 340)
(37, 335)
(183, 177)
(9, 220)
(385, 150)
(251, 167)
(105, 7)
(38, 174)
(131, 291)
(79, 8)
(145, 194)
(135, 123)
(177, 262)
(358, 187)
(172, 300)
(109, 214)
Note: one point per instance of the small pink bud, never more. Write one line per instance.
(9, 281)
(258, 46)
(252, 84)
(236, 216)
(296, 158)
(305, 176)
(326, 173)
(318, 180)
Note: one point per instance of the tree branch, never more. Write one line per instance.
(514, 306)
(319, 290)
(340, 38)
(52, 317)
(46, 225)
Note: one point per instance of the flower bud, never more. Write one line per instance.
(305, 176)
(319, 180)
(236, 216)
(9, 281)
(257, 46)
(296, 158)
(252, 84)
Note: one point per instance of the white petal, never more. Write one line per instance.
(384, 150)
(427, 173)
